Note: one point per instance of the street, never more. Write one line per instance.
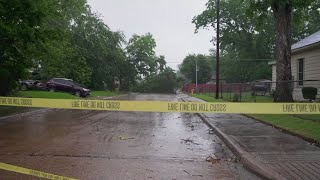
(116, 145)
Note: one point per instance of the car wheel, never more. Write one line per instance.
(52, 89)
(24, 87)
(77, 93)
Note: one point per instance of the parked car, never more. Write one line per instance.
(67, 85)
(262, 86)
(31, 84)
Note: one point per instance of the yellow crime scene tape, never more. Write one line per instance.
(31, 172)
(166, 106)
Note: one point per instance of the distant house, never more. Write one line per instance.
(305, 65)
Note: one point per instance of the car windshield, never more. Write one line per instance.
(160, 89)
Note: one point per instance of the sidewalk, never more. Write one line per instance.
(291, 157)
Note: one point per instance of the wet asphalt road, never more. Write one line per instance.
(116, 145)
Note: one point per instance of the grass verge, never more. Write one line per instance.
(61, 95)
(207, 98)
(305, 126)
(8, 110)
(103, 93)
(46, 94)
(307, 129)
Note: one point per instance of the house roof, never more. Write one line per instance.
(312, 39)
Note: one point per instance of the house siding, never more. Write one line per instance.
(311, 71)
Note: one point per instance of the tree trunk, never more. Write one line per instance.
(282, 15)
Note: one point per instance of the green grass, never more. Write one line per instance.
(247, 97)
(7, 110)
(103, 93)
(264, 99)
(61, 95)
(312, 117)
(207, 98)
(306, 128)
(304, 125)
(227, 98)
(46, 94)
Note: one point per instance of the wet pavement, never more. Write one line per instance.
(290, 156)
(116, 145)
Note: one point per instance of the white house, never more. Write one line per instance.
(305, 65)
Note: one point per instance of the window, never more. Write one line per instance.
(300, 72)
(58, 80)
(69, 82)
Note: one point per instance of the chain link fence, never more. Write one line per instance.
(259, 91)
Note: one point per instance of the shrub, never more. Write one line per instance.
(235, 98)
(309, 93)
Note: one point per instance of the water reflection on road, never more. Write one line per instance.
(116, 145)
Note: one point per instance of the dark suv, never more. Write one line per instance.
(67, 85)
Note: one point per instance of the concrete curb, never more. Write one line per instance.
(248, 160)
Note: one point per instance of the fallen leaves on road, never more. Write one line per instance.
(187, 172)
(211, 131)
(125, 138)
(213, 160)
(198, 175)
(149, 170)
(189, 141)
(192, 174)
(190, 125)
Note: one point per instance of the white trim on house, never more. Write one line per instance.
(306, 42)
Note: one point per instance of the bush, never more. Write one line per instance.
(309, 93)
(235, 98)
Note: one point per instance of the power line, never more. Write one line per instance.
(229, 60)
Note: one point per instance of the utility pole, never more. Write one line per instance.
(217, 50)
(196, 75)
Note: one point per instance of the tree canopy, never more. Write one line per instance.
(66, 39)
(253, 29)
(205, 68)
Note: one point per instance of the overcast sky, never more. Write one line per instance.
(168, 20)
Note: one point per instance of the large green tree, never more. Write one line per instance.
(59, 56)
(164, 82)
(82, 47)
(245, 50)
(282, 12)
(20, 29)
(60, 38)
(248, 31)
(141, 54)
(205, 68)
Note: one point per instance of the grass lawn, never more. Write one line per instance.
(61, 95)
(313, 117)
(304, 125)
(103, 93)
(7, 110)
(306, 128)
(207, 98)
(246, 97)
(46, 94)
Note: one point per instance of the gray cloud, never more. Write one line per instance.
(168, 20)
